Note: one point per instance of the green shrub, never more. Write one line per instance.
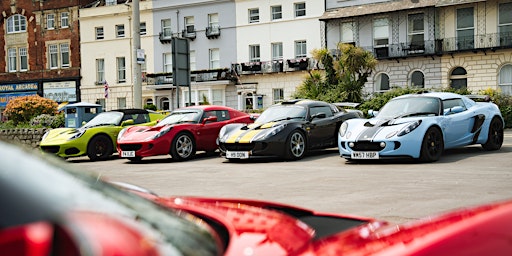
(150, 107)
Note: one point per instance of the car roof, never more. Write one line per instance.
(206, 107)
(440, 95)
(305, 102)
(130, 111)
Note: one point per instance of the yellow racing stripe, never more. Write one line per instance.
(248, 136)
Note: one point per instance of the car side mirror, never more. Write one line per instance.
(210, 119)
(372, 113)
(128, 122)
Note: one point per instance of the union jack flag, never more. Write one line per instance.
(106, 89)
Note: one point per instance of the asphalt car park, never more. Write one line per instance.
(396, 191)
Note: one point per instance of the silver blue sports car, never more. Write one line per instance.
(421, 126)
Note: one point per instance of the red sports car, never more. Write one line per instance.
(49, 209)
(180, 134)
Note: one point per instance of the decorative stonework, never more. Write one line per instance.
(24, 136)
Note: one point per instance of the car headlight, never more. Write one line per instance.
(161, 133)
(270, 132)
(77, 135)
(409, 128)
(120, 134)
(222, 131)
(343, 129)
(45, 135)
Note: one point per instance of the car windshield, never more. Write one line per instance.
(410, 106)
(181, 116)
(49, 187)
(105, 118)
(282, 112)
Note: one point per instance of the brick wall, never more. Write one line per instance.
(25, 136)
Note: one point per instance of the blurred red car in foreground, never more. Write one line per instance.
(49, 209)
(180, 134)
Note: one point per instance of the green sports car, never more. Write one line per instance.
(97, 138)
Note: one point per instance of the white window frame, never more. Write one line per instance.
(217, 97)
(277, 51)
(347, 32)
(213, 22)
(23, 54)
(505, 79)
(64, 55)
(192, 56)
(64, 19)
(214, 58)
(301, 49)
(12, 60)
(16, 24)
(100, 34)
(254, 53)
(120, 31)
(53, 56)
(100, 71)
(276, 12)
(462, 30)
(254, 15)
(189, 24)
(121, 103)
(166, 28)
(277, 95)
(167, 62)
(299, 9)
(50, 21)
(121, 69)
(381, 32)
(415, 33)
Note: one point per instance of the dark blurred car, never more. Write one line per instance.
(49, 209)
(287, 130)
(180, 134)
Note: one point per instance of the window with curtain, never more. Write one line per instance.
(505, 24)
(347, 32)
(166, 28)
(100, 71)
(465, 28)
(218, 96)
(254, 53)
(64, 20)
(505, 79)
(416, 30)
(300, 49)
(380, 32)
(121, 69)
(277, 51)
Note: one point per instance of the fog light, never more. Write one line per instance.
(351, 144)
(383, 144)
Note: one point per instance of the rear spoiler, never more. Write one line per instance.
(347, 104)
(479, 98)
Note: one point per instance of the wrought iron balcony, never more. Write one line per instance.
(164, 38)
(438, 47)
(274, 66)
(189, 32)
(212, 32)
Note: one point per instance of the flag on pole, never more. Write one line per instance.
(106, 89)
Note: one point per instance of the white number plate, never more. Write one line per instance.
(365, 155)
(237, 154)
(127, 153)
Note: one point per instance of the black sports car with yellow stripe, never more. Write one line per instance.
(288, 130)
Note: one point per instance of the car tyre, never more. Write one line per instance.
(295, 146)
(99, 148)
(183, 147)
(495, 137)
(432, 145)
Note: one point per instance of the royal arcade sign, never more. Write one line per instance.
(10, 91)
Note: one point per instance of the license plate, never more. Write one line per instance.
(127, 153)
(237, 154)
(365, 155)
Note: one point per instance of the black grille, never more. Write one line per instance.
(366, 146)
(239, 146)
(71, 151)
(50, 149)
(130, 147)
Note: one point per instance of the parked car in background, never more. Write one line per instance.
(96, 138)
(180, 134)
(421, 126)
(287, 130)
(49, 208)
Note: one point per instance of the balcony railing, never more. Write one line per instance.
(442, 46)
(195, 76)
(274, 66)
(165, 39)
(212, 32)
